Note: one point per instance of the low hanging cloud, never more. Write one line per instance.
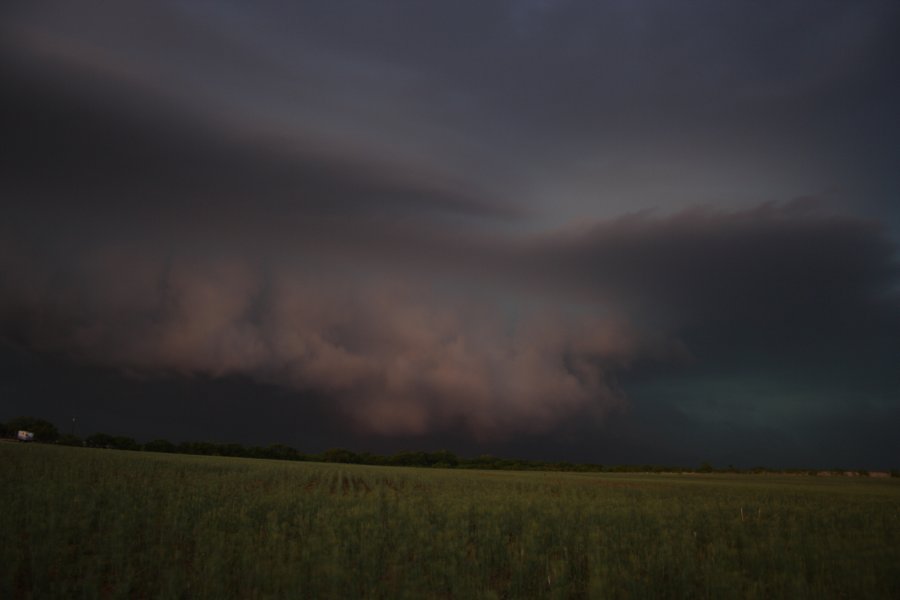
(392, 355)
(541, 331)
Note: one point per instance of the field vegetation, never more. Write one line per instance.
(90, 523)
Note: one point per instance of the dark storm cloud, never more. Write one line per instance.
(594, 107)
(784, 309)
(394, 356)
(400, 353)
(777, 266)
(71, 149)
(357, 207)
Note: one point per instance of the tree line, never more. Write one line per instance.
(46, 432)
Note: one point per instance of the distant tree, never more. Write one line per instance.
(201, 448)
(121, 442)
(160, 446)
(367, 458)
(44, 431)
(484, 461)
(405, 459)
(705, 468)
(340, 455)
(443, 458)
(256, 452)
(69, 440)
(232, 450)
(99, 440)
(283, 452)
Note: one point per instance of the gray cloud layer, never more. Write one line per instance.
(405, 350)
(363, 207)
(595, 106)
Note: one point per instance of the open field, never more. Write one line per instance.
(77, 522)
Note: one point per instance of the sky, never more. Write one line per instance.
(618, 232)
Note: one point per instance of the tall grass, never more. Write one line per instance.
(84, 523)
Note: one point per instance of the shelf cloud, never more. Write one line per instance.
(606, 229)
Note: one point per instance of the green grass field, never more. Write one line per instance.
(85, 523)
